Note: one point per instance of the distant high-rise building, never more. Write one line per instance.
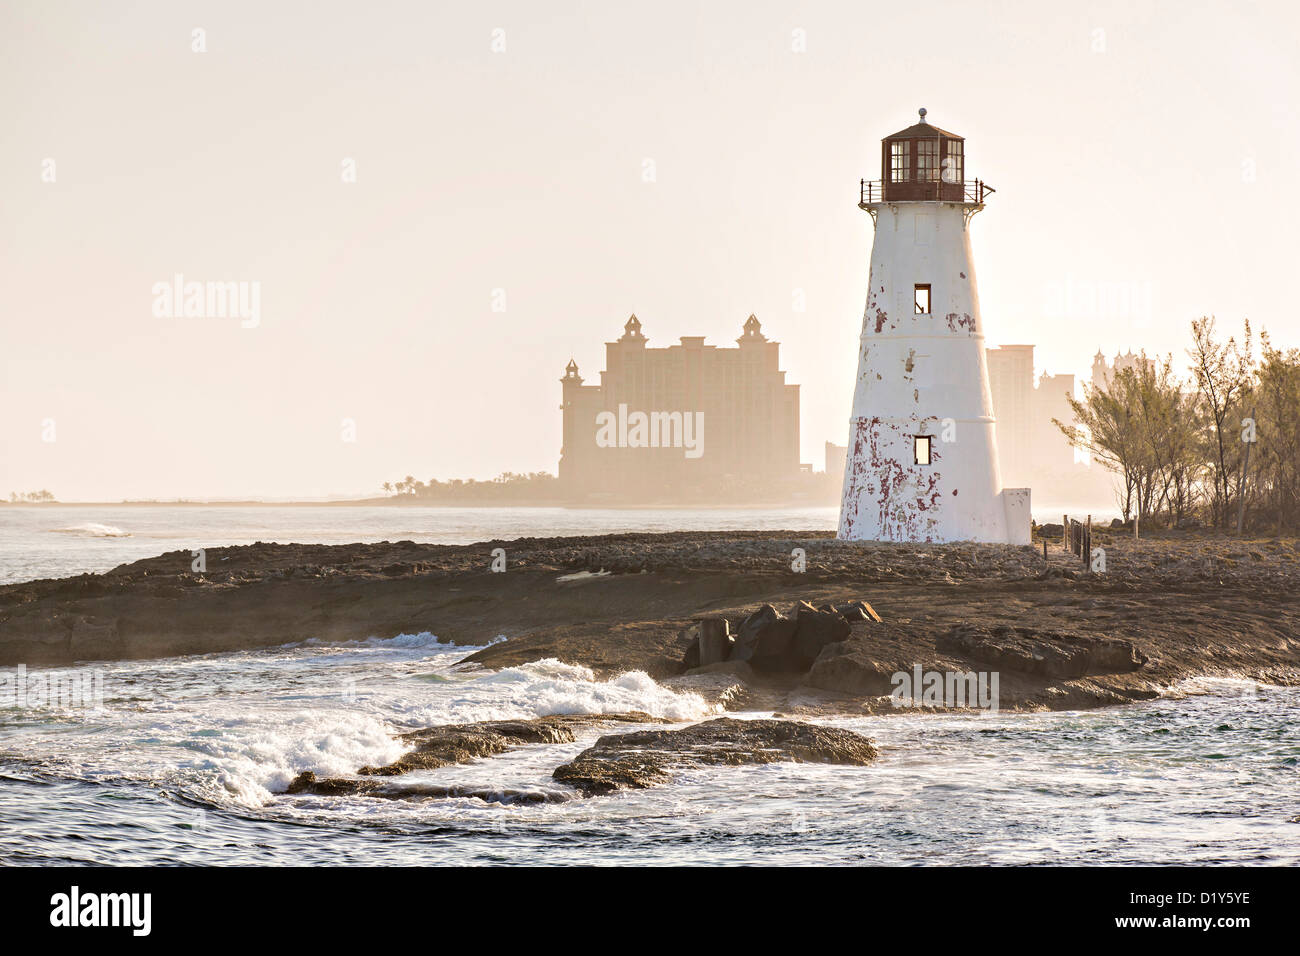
(1103, 372)
(836, 456)
(689, 422)
(1032, 450)
(1011, 384)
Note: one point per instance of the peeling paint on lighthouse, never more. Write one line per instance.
(921, 362)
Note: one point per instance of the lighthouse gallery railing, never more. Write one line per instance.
(873, 190)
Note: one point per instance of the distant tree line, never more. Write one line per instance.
(41, 495)
(1223, 442)
(537, 486)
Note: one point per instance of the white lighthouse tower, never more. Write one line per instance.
(922, 462)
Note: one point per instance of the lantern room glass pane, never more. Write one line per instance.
(899, 162)
(954, 166)
(927, 160)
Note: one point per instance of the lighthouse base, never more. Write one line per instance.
(955, 495)
(1016, 526)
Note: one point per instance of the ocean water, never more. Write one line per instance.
(186, 760)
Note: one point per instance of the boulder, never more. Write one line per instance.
(715, 641)
(738, 669)
(692, 656)
(814, 630)
(850, 667)
(448, 744)
(644, 758)
(1041, 653)
(858, 611)
(766, 641)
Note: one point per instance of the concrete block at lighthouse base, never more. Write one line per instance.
(1015, 502)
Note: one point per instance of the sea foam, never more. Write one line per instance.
(92, 529)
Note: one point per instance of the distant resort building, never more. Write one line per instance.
(1103, 371)
(1031, 450)
(687, 423)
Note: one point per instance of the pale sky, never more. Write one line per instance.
(1148, 149)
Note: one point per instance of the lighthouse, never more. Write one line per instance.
(922, 461)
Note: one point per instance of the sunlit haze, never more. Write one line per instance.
(502, 219)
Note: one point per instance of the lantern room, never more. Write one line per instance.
(923, 163)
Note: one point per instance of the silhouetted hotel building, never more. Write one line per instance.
(748, 446)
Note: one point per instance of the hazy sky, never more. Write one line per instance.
(1147, 150)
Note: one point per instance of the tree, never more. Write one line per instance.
(1106, 427)
(1169, 426)
(1278, 432)
(1223, 373)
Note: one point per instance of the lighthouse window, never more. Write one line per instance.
(954, 166)
(922, 299)
(927, 160)
(899, 162)
(922, 448)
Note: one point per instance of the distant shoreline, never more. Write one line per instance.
(391, 503)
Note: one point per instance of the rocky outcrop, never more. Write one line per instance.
(1043, 654)
(460, 743)
(645, 758)
(775, 643)
(766, 640)
(715, 641)
(637, 759)
(853, 667)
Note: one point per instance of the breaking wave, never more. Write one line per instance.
(92, 529)
(248, 764)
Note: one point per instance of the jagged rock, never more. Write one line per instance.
(647, 757)
(858, 611)
(691, 659)
(347, 787)
(715, 641)
(814, 630)
(765, 641)
(1045, 654)
(740, 669)
(460, 743)
(851, 668)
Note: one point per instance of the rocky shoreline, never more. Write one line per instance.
(1168, 608)
(632, 760)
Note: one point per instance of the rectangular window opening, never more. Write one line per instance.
(922, 299)
(899, 162)
(927, 160)
(954, 170)
(922, 448)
